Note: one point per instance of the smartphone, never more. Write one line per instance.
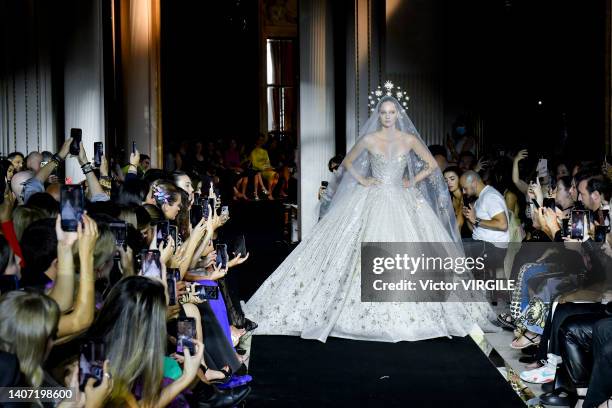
(91, 362)
(72, 205)
(134, 147)
(221, 255)
(150, 263)
(602, 218)
(175, 273)
(185, 333)
(196, 214)
(196, 199)
(239, 245)
(577, 224)
(206, 292)
(75, 146)
(163, 230)
(535, 203)
(173, 229)
(542, 168)
(212, 204)
(467, 200)
(98, 153)
(119, 230)
(600, 233)
(565, 230)
(225, 210)
(549, 203)
(171, 283)
(8, 283)
(206, 211)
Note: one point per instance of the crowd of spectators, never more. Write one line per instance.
(262, 168)
(116, 286)
(551, 216)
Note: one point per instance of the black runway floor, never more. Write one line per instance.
(292, 372)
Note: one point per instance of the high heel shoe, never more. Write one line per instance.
(227, 375)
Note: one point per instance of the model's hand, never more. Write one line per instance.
(370, 181)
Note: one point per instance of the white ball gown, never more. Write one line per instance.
(316, 291)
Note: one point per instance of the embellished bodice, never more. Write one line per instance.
(388, 171)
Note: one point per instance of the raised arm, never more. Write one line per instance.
(83, 312)
(520, 184)
(63, 289)
(94, 188)
(45, 171)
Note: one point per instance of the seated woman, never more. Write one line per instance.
(261, 162)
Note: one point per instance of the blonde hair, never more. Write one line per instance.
(23, 217)
(132, 323)
(27, 321)
(128, 215)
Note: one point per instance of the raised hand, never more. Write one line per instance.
(87, 231)
(65, 149)
(82, 158)
(95, 396)
(166, 250)
(238, 260)
(64, 238)
(192, 363)
(520, 155)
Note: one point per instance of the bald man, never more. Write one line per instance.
(33, 161)
(487, 218)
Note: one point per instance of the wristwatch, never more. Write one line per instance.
(477, 222)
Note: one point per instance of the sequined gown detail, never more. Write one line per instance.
(316, 291)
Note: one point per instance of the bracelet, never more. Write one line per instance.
(87, 168)
(57, 159)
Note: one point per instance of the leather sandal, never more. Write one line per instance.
(532, 341)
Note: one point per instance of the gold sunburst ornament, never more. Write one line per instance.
(388, 89)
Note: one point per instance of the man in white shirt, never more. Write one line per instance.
(487, 217)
